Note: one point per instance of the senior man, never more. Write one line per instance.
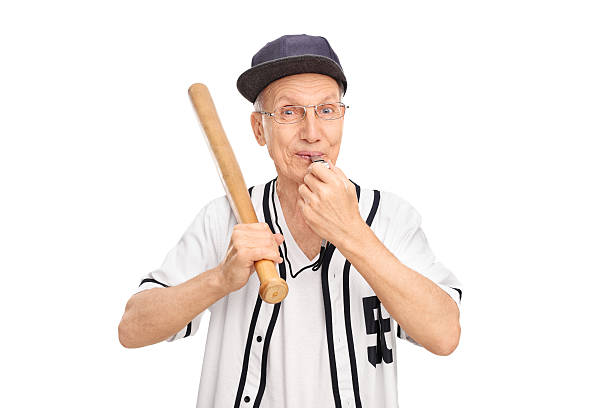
(357, 263)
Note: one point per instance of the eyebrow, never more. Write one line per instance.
(329, 97)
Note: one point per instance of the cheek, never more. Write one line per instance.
(336, 136)
(334, 142)
(278, 147)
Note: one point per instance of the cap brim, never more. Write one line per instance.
(255, 79)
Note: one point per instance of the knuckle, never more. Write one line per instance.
(259, 253)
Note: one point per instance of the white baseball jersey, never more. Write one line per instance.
(330, 342)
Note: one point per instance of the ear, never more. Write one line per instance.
(258, 130)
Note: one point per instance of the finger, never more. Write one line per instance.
(306, 194)
(257, 253)
(343, 177)
(258, 241)
(313, 183)
(252, 234)
(263, 250)
(265, 253)
(252, 226)
(320, 171)
(305, 209)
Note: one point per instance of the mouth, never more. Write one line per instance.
(307, 154)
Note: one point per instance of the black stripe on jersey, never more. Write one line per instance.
(328, 323)
(374, 208)
(328, 320)
(152, 281)
(283, 275)
(357, 189)
(349, 333)
(347, 304)
(284, 243)
(460, 293)
(247, 349)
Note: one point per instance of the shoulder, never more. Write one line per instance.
(215, 215)
(394, 201)
(220, 209)
(392, 209)
(216, 207)
(388, 202)
(398, 210)
(256, 191)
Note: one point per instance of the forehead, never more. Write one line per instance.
(303, 89)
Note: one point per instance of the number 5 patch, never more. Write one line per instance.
(375, 324)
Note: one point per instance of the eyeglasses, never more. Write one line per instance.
(296, 113)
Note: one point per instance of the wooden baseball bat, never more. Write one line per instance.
(272, 288)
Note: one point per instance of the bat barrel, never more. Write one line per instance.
(272, 288)
(226, 162)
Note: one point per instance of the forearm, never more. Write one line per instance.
(156, 314)
(421, 308)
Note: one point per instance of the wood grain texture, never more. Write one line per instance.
(272, 289)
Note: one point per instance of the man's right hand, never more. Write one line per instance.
(249, 243)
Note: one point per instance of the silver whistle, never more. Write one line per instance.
(319, 159)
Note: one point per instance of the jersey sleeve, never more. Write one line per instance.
(407, 241)
(198, 250)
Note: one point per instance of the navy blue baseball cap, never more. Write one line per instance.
(289, 55)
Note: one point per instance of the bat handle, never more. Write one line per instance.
(272, 288)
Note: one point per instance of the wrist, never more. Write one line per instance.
(353, 236)
(217, 281)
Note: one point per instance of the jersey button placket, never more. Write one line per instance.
(259, 340)
(343, 366)
(338, 314)
(256, 351)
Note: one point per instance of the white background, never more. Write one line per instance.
(497, 131)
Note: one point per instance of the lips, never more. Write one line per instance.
(304, 154)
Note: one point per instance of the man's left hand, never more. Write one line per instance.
(328, 202)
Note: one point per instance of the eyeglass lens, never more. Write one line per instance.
(327, 111)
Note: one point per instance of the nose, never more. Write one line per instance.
(310, 129)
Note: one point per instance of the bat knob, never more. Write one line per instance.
(273, 291)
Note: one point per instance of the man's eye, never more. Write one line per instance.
(327, 110)
(287, 112)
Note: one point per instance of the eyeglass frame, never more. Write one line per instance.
(272, 114)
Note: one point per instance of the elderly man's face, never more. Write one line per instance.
(286, 141)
